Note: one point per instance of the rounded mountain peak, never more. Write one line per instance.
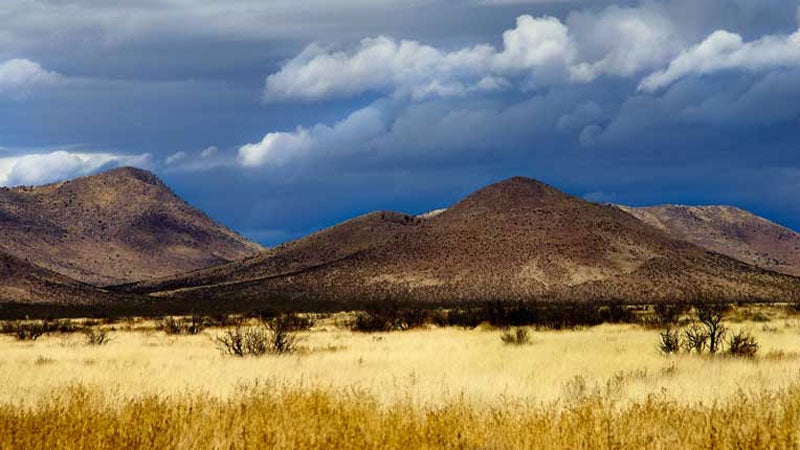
(510, 195)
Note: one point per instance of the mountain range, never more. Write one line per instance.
(518, 239)
(123, 236)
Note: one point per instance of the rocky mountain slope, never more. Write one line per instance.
(730, 231)
(116, 227)
(514, 240)
(24, 283)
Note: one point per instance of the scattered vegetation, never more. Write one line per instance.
(389, 317)
(668, 315)
(292, 322)
(272, 337)
(516, 336)
(31, 330)
(192, 325)
(96, 337)
(705, 331)
(670, 341)
(743, 345)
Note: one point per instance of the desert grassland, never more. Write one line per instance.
(599, 387)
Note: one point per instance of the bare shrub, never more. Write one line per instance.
(670, 341)
(389, 317)
(27, 331)
(696, 338)
(292, 322)
(518, 336)
(97, 337)
(256, 341)
(33, 330)
(172, 325)
(742, 345)
(282, 339)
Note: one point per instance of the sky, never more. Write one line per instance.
(281, 117)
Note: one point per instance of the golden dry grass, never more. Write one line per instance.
(603, 387)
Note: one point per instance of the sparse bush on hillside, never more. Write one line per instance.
(518, 336)
(743, 345)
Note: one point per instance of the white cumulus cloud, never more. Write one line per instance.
(42, 168)
(276, 148)
(725, 50)
(279, 148)
(539, 50)
(409, 68)
(23, 74)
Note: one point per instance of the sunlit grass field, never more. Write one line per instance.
(600, 387)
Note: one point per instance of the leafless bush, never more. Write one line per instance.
(743, 345)
(696, 338)
(26, 331)
(292, 322)
(33, 330)
(670, 341)
(172, 325)
(518, 336)
(389, 318)
(97, 337)
(256, 341)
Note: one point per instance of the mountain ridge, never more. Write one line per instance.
(518, 239)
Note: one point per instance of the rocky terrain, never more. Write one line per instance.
(518, 239)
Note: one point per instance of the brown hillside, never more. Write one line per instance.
(730, 231)
(24, 283)
(515, 240)
(115, 227)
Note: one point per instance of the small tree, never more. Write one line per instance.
(710, 313)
